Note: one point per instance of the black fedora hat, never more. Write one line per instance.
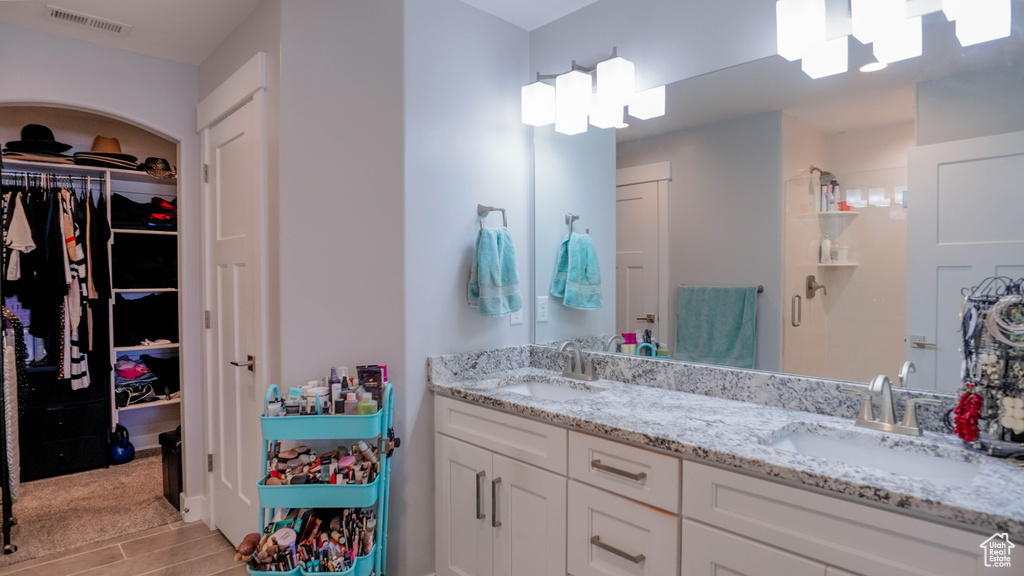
(158, 168)
(37, 138)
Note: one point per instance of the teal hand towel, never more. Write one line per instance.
(583, 280)
(561, 269)
(493, 277)
(716, 325)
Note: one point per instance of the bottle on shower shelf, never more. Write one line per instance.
(825, 254)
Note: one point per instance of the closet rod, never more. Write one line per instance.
(82, 177)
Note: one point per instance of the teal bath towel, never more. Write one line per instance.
(577, 277)
(716, 325)
(493, 277)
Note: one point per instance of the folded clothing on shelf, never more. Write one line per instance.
(157, 214)
(145, 379)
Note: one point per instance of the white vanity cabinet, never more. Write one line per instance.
(497, 516)
(843, 537)
(711, 552)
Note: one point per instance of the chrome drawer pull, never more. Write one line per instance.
(611, 470)
(480, 514)
(494, 502)
(596, 541)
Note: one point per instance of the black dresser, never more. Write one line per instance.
(62, 430)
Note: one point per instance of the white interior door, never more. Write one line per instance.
(964, 225)
(636, 258)
(233, 284)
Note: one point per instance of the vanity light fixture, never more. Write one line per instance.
(892, 27)
(572, 102)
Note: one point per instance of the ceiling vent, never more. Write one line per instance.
(87, 20)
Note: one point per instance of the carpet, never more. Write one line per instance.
(66, 512)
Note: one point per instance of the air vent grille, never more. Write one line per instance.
(88, 20)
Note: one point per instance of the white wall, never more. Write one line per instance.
(725, 206)
(871, 149)
(574, 174)
(971, 105)
(464, 145)
(668, 40)
(151, 93)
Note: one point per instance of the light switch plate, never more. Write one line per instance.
(542, 308)
(516, 317)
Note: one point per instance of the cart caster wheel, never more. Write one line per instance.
(10, 549)
(14, 521)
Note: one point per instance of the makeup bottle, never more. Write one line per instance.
(351, 404)
(367, 405)
(628, 345)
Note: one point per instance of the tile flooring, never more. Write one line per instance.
(177, 549)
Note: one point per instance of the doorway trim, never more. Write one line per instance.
(660, 172)
(247, 83)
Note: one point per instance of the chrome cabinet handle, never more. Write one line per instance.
(648, 318)
(494, 502)
(611, 470)
(796, 314)
(480, 514)
(249, 363)
(596, 541)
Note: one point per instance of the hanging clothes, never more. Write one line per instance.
(73, 365)
(19, 235)
(15, 389)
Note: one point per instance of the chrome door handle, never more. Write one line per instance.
(249, 363)
(921, 342)
(494, 502)
(612, 470)
(648, 318)
(596, 541)
(796, 313)
(480, 514)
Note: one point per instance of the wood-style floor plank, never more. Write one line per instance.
(236, 571)
(67, 565)
(202, 566)
(84, 549)
(167, 538)
(164, 557)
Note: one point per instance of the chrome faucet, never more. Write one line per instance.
(574, 367)
(612, 341)
(881, 387)
(906, 370)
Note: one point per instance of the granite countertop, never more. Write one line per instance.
(736, 433)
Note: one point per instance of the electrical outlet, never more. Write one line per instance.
(517, 317)
(542, 308)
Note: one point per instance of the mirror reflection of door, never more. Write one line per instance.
(636, 258)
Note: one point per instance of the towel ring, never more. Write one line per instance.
(482, 211)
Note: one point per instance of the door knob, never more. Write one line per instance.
(249, 364)
(648, 318)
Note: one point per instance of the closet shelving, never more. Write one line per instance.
(137, 184)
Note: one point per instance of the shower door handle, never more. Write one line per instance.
(796, 314)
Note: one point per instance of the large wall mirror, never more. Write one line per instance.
(928, 155)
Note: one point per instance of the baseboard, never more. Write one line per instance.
(194, 508)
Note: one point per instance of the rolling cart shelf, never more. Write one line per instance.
(376, 427)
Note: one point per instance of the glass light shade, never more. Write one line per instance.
(572, 102)
(982, 20)
(827, 58)
(606, 112)
(538, 104)
(648, 104)
(952, 8)
(615, 79)
(873, 19)
(899, 41)
(799, 25)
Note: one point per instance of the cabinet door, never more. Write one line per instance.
(610, 535)
(464, 534)
(711, 552)
(528, 519)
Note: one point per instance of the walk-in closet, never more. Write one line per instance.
(90, 288)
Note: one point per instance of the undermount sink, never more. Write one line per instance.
(549, 391)
(945, 465)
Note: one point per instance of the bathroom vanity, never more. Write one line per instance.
(637, 474)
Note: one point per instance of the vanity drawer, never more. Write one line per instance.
(610, 535)
(650, 477)
(834, 531)
(542, 445)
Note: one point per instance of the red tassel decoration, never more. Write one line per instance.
(966, 414)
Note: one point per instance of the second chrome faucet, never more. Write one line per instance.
(881, 388)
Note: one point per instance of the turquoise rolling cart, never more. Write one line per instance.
(334, 427)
